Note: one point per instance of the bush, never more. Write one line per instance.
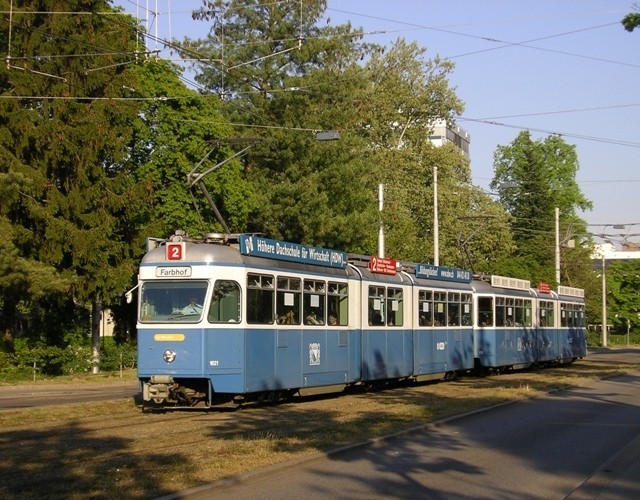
(76, 358)
(113, 355)
(53, 360)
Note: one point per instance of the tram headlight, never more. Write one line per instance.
(169, 356)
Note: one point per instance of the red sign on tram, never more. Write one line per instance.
(382, 265)
(544, 287)
(175, 251)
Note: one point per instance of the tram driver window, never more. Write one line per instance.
(225, 302)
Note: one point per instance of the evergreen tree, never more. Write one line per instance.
(68, 206)
(631, 21)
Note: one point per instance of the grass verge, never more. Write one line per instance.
(108, 449)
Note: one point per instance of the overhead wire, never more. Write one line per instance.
(193, 55)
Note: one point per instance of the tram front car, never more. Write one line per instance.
(182, 283)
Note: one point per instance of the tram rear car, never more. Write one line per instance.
(518, 326)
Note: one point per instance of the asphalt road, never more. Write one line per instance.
(32, 395)
(575, 443)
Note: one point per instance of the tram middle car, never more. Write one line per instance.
(236, 318)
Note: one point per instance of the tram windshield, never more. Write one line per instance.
(172, 301)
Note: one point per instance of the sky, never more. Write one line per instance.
(549, 66)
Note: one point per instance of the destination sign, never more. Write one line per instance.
(544, 287)
(382, 265)
(258, 246)
(173, 272)
(428, 271)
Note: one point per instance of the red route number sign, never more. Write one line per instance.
(175, 251)
(544, 287)
(382, 265)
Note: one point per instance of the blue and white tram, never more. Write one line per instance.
(223, 321)
(234, 318)
(571, 325)
(518, 326)
(385, 319)
(443, 322)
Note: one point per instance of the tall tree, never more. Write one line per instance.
(534, 177)
(70, 208)
(281, 78)
(180, 132)
(285, 75)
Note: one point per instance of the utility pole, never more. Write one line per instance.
(557, 245)
(380, 223)
(436, 235)
(605, 335)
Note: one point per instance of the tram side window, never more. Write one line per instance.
(501, 311)
(510, 312)
(485, 311)
(522, 312)
(314, 298)
(440, 311)
(338, 304)
(466, 310)
(580, 319)
(225, 302)
(425, 308)
(528, 312)
(288, 300)
(260, 295)
(564, 320)
(395, 307)
(569, 315)
(545, 315)
(376, 305)
(453, 309)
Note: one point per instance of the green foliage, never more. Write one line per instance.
(114, 356)
(287, 77)
(623, 294)
(172, 135)
(68, 210)
(51, 360)
(534, 178)
(631, 21)
(74, 358)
